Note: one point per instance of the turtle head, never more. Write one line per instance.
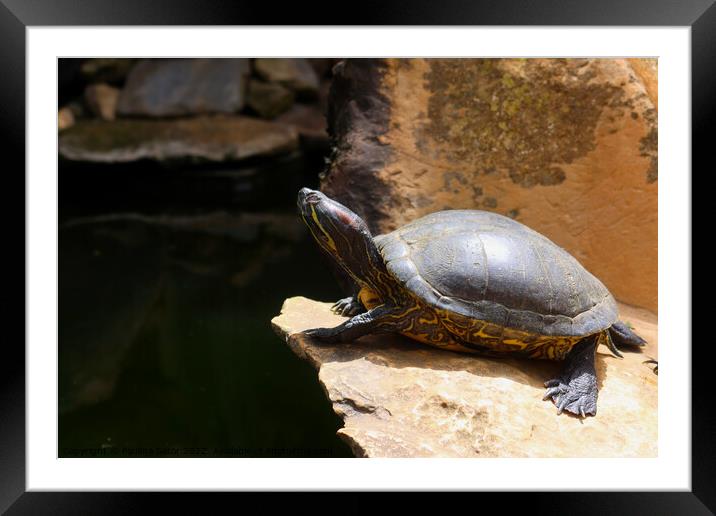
(337, 229)
(345, 237)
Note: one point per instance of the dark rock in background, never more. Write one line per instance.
(323, 66)
(211, 138)
(102, 99)
(296, 74)
(310, 122)
(268, 99)
(110, 70)
(78, 108)
(176, 87)
(189, 89)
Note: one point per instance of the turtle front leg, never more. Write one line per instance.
(348, 306)
(377, 320)
(576, 388)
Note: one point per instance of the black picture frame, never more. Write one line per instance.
(17, 15)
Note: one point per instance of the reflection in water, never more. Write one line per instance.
(165, 343)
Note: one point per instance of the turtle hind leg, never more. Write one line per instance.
(622, 335)
(575, 390)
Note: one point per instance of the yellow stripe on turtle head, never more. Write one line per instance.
(330, 242)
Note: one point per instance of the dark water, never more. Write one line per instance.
(165, 342)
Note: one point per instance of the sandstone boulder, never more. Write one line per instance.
(566, 146)
(399, 398)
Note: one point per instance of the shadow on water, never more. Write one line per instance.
(165, 341)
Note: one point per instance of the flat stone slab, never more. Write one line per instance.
(177, 87)
(400, 398)
(211, 138)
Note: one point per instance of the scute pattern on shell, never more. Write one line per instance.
(490, 267)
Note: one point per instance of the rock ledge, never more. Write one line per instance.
(399, 398)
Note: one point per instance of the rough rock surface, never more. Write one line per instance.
(566, 146)
(399, 398)
(212, 138)
(176, 87)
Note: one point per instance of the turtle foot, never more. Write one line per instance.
(577, 395)
(327, 335)
(575, 390)
(348, 307)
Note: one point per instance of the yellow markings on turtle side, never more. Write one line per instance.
(450, 328)
(406, 331)
(515, 342)
(553, 348)
(369, 298)
(484, 333)
(404, 313)
(431, 321)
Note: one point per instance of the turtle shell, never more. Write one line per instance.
(489, 267)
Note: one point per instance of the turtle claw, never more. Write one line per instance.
(656, 365)
(347, 307)
(551, 383)
(554, 391)
(562, 404)
(578, 396)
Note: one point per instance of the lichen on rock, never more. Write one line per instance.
(545, 111)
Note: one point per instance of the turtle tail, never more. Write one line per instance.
(622, 335)
(609, 342)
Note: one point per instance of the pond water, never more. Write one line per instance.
(165, 302)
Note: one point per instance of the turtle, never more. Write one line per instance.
(471, 281)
